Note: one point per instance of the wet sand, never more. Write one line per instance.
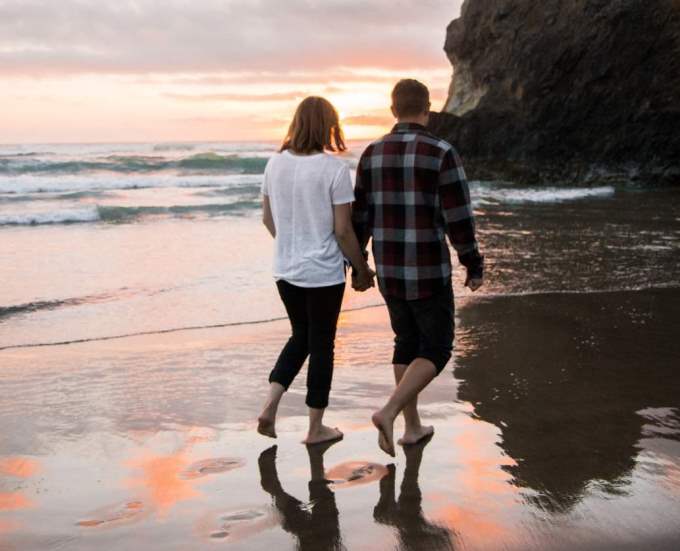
(557, 427)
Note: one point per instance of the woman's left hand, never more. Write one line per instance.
(362, 280)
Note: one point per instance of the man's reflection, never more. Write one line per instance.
(564, 378)
(315, 524)
(414, 531)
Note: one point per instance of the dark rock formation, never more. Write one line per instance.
(565, 90)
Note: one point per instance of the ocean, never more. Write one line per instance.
(101, 240)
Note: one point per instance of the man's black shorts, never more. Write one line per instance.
(423, 328)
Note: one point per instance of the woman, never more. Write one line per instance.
(306, 200)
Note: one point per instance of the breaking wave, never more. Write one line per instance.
(486, 193)
(97, 213)
(42, 186)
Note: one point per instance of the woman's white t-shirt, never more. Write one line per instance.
(302, 191)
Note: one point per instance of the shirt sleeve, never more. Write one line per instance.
(454, 198)
(361, 210)
(341, 189)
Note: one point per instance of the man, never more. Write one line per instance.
(410, 192)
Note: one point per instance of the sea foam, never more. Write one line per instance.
(112, 213)
(486, 193)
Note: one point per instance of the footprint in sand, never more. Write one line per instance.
(355, 473)
(112, 515)
(211, 466)
(237, 523)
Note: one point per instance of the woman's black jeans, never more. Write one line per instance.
(313, 313)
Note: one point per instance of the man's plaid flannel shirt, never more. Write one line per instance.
(411, 191)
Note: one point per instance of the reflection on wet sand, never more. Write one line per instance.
(15, 501)
(315, 524)
(414, 531)
(7, 526)
(566, 381)
(168, 479)
(20, 467)
(164, 480)
(161, 480)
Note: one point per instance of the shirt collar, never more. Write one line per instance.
(402, 127)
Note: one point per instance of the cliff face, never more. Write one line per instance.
(565, 90)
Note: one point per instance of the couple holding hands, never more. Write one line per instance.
(410, 193)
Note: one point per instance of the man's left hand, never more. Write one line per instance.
(474, 283)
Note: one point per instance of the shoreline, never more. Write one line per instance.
(469, 297)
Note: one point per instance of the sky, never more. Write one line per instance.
(191, 70)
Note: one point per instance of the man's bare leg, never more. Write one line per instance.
(266, 422)
(417, 376)
(414, 431)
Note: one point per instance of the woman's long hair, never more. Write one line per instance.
(315, 127)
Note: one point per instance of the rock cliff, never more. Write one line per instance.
(565, 90)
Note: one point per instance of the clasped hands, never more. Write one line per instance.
(363, 279)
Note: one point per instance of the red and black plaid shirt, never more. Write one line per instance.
(411, 192)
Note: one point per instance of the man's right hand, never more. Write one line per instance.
(362, 280)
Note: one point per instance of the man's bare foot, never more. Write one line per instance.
(323, 434)
(414, 436)
(266, 425)
(385, 429)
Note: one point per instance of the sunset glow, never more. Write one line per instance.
(230, 70)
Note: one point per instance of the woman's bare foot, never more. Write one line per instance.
(415, 435)
(385, 428)
(266, 425)
(323, 434)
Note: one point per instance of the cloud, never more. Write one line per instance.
(369, 120)
(283, 96)
(175, 36)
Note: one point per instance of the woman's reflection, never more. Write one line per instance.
(315, 524)
(414, 531)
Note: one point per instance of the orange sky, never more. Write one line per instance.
(211, 69)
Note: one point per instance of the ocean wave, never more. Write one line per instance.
(19, 155)
(65, 216)
(120, 214)
(129, 164)
(12, 197)
(6, 311)
(18, 309)
(213, 161)
(248, 190)
(86, 183)
(174, 147)
(485, 193)
(98, 213)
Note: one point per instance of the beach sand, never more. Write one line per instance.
(557, 426)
